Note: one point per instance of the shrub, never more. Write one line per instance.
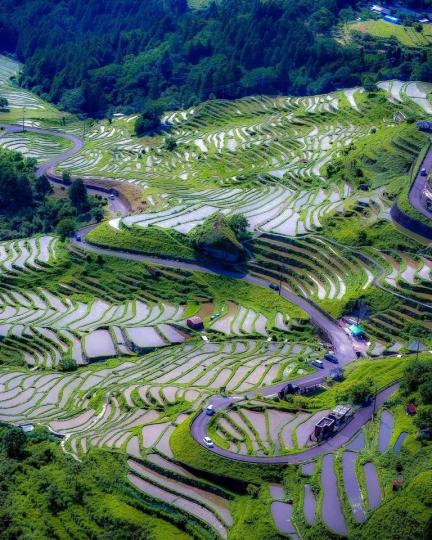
(66, 227)
(170, 144)
(423, 418)
(67, 363)
(13, 442)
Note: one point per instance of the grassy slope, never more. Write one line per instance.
(48, 495)
(151, 240)
(188, 451)
(383, 372)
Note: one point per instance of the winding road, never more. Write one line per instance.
(418, 186)
(329, 327)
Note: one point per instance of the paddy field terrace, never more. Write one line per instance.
(316, 178)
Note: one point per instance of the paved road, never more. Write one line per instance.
(47, 168)
(361, 417)
(50, 164)
(342, 343)
(418, 186)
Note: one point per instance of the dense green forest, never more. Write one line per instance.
(95, 57)
(28, 204)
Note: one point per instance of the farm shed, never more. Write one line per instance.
(324, 428)
(424, 125)
(195, 323)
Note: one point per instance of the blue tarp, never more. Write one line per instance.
(390, 19)
(356, 330)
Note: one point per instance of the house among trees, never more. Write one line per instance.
(195, 323)
(380, 10)
(411, 409)
(424, 125)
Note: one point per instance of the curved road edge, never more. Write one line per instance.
(361, 417)
(410, 223)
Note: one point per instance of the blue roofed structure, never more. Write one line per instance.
(356, 330)
(391, 19)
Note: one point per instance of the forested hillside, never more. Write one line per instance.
(94, 57)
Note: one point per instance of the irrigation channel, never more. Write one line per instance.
(328, 326)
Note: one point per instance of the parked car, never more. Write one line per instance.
(208, 442)
(210, 410)
(274, 287)
(78, 238)
(318, 363)
(111, 197)
(330, 357)
(423, 172)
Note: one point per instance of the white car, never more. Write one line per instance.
(208, 442)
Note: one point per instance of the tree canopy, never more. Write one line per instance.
(95, 57)
(27, 206)
(217, 238)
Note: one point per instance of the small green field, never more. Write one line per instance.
(407, 36)
(198, 4)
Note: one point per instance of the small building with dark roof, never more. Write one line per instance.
(411, 409)
(195, 323)
(424, 125)
(324, 428)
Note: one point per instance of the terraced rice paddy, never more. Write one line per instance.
(343, 499)
(8, 68)
(399, 91)
(42, 326)
(135, 393)
(311, 266)
(352, 486)
(125, 408)
(40, 147)
(272, 431)
(331, 505)
(32, 254)
(263, 157)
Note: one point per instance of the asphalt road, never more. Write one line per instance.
(419, 185)
(51, 163)
(47, 168)
(361, 417)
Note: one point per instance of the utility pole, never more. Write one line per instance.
(23, 119)
(84, 130)
(280, 279)
(374, 402)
